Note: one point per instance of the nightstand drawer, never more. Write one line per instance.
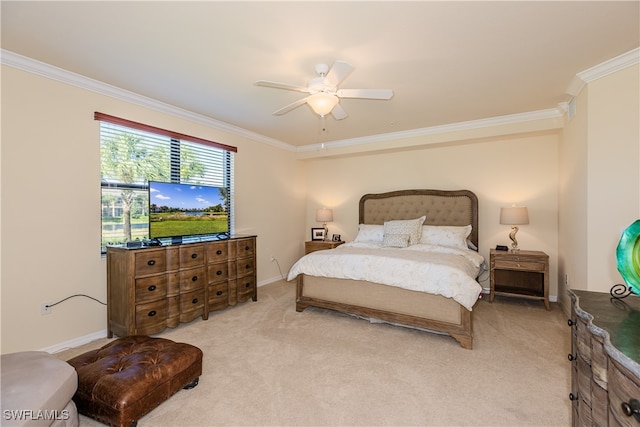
(520, 265)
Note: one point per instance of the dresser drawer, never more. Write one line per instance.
(149, 262)
(583, 340)
(584, 382)
(193, 278)
(151, 288)
(245, 266)
(246, 288)
(245, 248)
(191, 256)
(218, 296)
(191, 305)
(218, 272)
(217, 251)
(513, 264)
(151, 317)
(623, 386)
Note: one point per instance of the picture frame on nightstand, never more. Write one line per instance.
(317, 234)
(336, 238)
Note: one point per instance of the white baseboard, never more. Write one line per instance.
(76, 342)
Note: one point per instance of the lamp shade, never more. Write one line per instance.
(324, 215)
(322, 103)
(515, 215)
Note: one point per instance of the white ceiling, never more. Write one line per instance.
(447, 62)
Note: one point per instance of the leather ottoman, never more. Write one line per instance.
(127, 378)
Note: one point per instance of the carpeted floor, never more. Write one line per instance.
(267, 365)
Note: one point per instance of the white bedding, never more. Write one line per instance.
(440, 270)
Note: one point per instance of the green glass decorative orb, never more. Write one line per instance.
(628, 256)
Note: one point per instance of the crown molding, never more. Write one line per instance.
(33, 66)
(610, 66)
(552, 113)
(49, 71)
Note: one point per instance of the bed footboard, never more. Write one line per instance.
(387, 303)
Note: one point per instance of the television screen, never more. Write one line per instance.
(178, 210)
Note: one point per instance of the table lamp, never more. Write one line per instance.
(513, 216)
(324, 215)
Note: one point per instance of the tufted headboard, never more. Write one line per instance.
(442, 207)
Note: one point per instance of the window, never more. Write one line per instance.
(132, 154)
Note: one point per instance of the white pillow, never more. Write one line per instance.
(445, 235)
(412, 227)
(395, 240)
(370, 233)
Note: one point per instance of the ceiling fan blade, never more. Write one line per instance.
(365, 93)
(338, 112)
(277, 85)
(290, 107)
(338, 73)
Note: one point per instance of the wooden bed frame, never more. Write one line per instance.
(392, 304)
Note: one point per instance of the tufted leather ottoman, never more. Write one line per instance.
(127, 378)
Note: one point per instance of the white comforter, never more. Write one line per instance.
(440, 270)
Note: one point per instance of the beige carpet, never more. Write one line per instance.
(267, 365)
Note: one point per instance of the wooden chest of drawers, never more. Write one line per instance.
(605, 359)
(150, 289)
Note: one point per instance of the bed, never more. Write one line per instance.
(398, 304)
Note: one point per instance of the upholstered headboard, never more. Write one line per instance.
(441, 207)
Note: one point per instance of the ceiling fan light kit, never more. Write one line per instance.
(322, 103)
(324, 96)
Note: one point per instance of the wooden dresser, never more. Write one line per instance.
(605, 359)
(152, 288)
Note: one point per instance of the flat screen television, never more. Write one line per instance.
(181, 210)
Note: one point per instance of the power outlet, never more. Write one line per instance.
(45, 308)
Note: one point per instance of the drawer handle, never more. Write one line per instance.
(218, 252)
(573, 396)
(151, 262)
(194, 301)
(152, 288)
(246, 248)
(572, 357)
(194, 279)
(247, 285)
(219, 272)
(219, 293)
(631, 408)
(152, 313)
(194, 256)
(248, 266)
(571, 322)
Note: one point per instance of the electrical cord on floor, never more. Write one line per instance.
(73, 296)
(279, 269)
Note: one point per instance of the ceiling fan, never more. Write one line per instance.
(324, 95)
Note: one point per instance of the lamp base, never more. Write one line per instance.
(512, 236)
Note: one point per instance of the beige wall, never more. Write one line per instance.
(51, 197)
(599, 179)
(520, 170)
(581, 186)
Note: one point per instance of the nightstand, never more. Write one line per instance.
(522, 273)
(318, 245)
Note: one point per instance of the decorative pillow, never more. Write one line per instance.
(412, 227)
(395, 240)
(445, 235)
(370, 233)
